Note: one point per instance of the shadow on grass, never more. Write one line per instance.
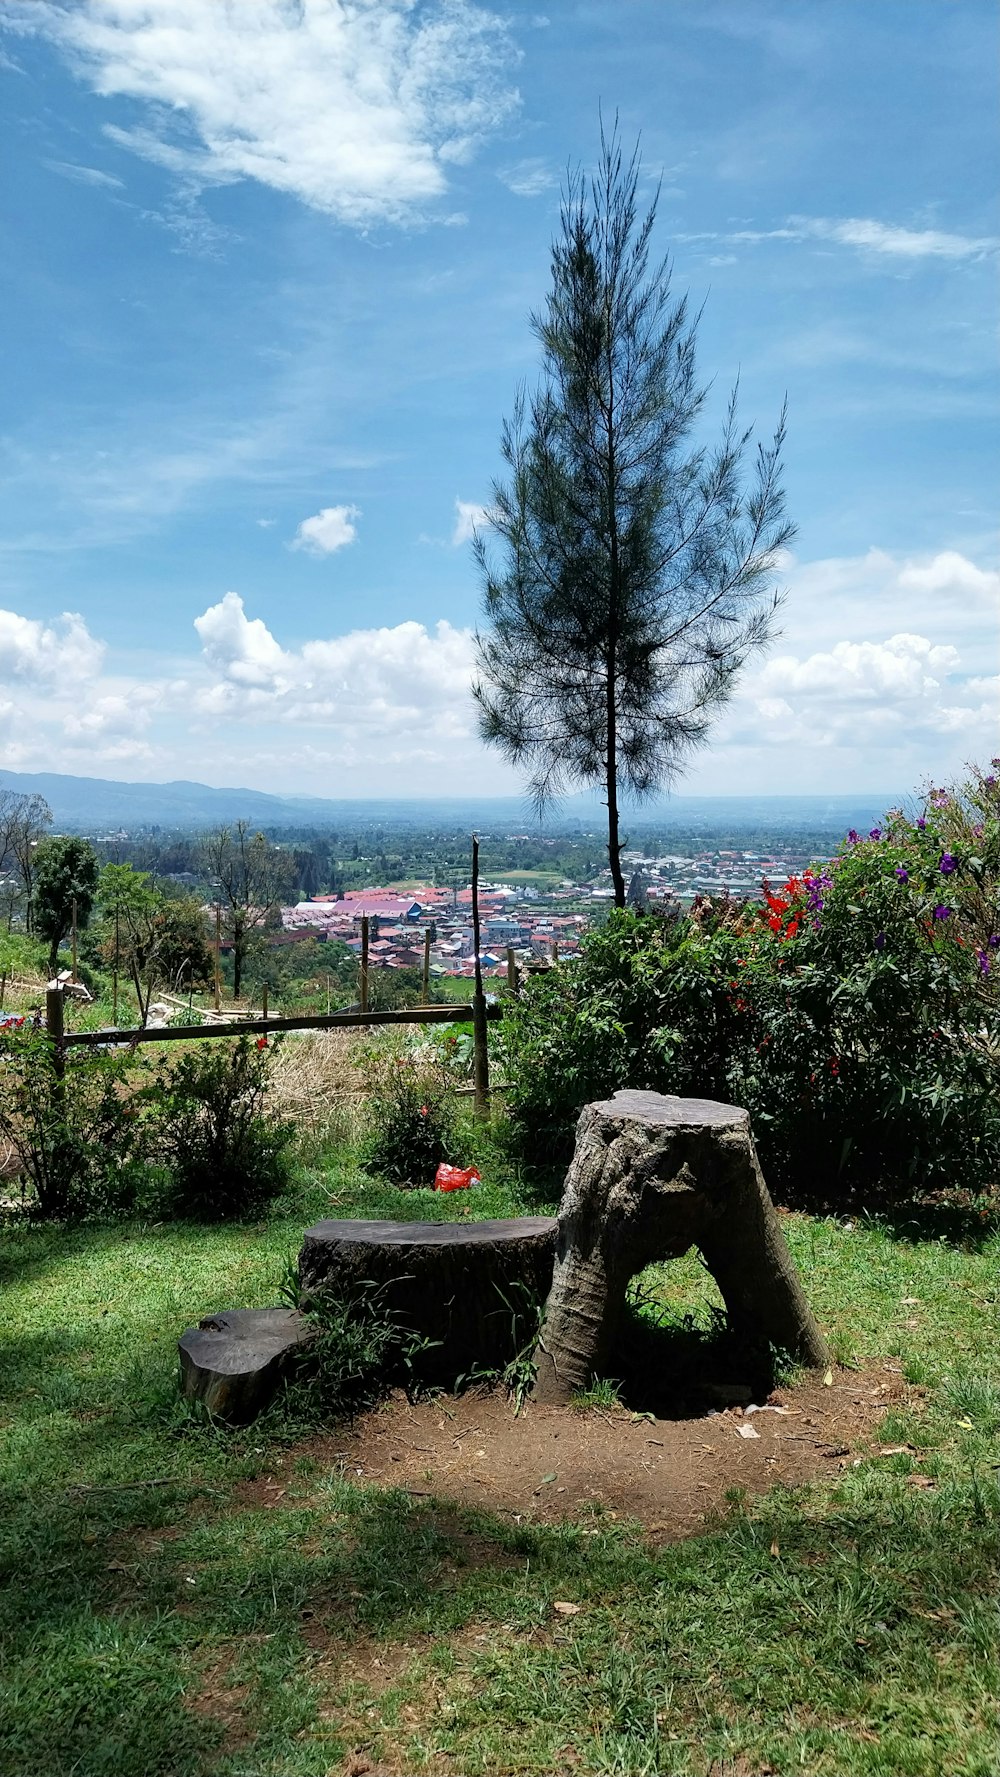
(132, 1621)
(679, 1369)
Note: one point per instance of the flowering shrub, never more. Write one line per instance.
(853, 1010)
(411, 1119)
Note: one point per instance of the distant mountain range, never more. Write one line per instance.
(101, 805)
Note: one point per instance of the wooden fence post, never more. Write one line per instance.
(511, 969)
(481, 1058)
(55, 1028)
(218, 957)
(363, 995)
(427, 966)
(263, 1002)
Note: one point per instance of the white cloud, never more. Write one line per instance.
(35, 652)
(469, 517)
(357, 109)
(242, 649)
(528, 178)
(328, 530)
(81, 175)
(897, 243)
(952, 573)
(866, 235)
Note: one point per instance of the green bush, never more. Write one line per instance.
(412, 1119)
(81, 1136)
(227, 1158)
(854, 1012)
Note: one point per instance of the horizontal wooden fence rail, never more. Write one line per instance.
(271, 1026)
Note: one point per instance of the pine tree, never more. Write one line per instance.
(635, 569)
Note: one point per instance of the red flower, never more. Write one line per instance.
(262, 1042)
(424, 1111)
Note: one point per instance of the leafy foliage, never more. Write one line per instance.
(227, 1158)
(65, 871)
(412, 1116)
(854, 1012)
(79, 1138)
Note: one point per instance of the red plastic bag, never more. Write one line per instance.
(454, 1178)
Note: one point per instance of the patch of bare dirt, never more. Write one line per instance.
(218, 1700)
(551, 1464)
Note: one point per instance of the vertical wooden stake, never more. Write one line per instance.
(481, 1059)
(555, 950)
(328, 996)
(73, 929)
(54, 1028)
(511, 969)
(363, 996)
(263, 1003)
(427, 966)
(218, 956)
(3, 988)
(114, 976)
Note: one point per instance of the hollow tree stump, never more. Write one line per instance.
(473, 1288)
(651, 1177)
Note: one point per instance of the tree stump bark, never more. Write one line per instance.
(473, 1288)
(652, 1176)
(234, 1361)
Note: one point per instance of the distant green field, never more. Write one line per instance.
(538, 878)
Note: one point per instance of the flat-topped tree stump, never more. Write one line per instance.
(652, 1176)
(473, 1288)
(234, 1361)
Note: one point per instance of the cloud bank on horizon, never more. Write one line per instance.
(896, 706)
(279, 260)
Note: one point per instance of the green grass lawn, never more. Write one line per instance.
(171, 1630)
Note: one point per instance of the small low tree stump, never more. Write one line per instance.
(234, 1361)
(652, 1176)
(473, 1288)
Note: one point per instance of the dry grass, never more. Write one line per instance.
(318, 1081)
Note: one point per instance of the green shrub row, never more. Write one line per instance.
(112, 1133)
(853, 1011)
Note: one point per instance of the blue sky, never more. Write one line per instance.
(266, 270)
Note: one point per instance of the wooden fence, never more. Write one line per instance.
(478, 1015)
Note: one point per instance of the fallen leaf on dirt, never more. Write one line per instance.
(828, 1379)
(747, 1431)
(547, 1478)
(567, 1610)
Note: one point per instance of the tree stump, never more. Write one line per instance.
(651, 1177)
(234, 1361)
(473, 1288)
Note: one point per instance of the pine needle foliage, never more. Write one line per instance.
(628, 573)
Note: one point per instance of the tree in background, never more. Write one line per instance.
(158, 942)
(635, 570)
(65, 871)
(249, 876)
(24, 820)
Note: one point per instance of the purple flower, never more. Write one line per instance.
(876, 833)
(902, 874)
(939, 798)
(947, 864)
(942, 912)
(983, 961)
(994, 940)
(990, 782)
(921, 823)
(881, 941)
(852, 838)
